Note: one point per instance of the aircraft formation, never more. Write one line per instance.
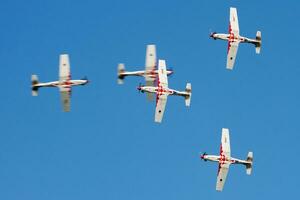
(156, 83)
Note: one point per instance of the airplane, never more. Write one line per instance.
(150, 72)
(225, 160)
(64, 83)
(162, 91)
(234, 39)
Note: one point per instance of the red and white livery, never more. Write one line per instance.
(150, 73)
(225, 160)
(162, 91)
(64, 83)
(234, 39)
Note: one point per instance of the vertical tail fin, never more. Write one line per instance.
(121, 70)
(258, 43)
(34, 82)
(188, 97)
(249, 164)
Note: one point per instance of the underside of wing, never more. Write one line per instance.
(150, 65)
(231, 54)
(65, 95)
(222, 174)
(225, 141)
(234, 22)
(160, 107)
(162, 74)
(64, 68)
(150, 80)
(151, 83)
(150, 58)
(150, 96)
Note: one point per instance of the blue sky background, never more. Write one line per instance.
(108, 147)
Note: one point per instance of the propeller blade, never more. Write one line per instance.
(139, 87)
(202, 155)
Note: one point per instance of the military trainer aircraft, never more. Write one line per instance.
(64, 83)
(234, 39)
(162, 91)
(150, 72)
(225, 160)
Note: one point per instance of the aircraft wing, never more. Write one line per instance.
(64, 68)
(65, 95)
(161, 102)
(149, 95)
(222, 174)
(161, 99)
(224, 156)
(162, 74)
(150, 65)
(225, 143)
(234, 22)
(150, 58)
(231, 54)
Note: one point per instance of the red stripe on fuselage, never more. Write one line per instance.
(157, 94)
(222, 159)
(231, 38)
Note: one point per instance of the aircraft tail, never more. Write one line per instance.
(188, 97)
(258, 43)
(34, 88)
(249, 165)
(121, 70)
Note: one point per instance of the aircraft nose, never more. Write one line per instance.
(212, 34)
(203, 156)
(139, 87)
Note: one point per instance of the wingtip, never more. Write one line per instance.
(230, 68)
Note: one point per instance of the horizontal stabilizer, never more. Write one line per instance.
(188, 97)
(258, 43)
(258, 35)
(34, 82)
(249, 165)
(34, 79)
(121, 70)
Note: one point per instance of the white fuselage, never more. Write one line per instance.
(224, 160)
(161, 91)
(144, 73)
(233, 38)
(65, 84)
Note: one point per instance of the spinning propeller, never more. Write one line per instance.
(140, 88)
(203, 155)
(211, 34)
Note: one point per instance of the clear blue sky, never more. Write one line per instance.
(108, 147)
